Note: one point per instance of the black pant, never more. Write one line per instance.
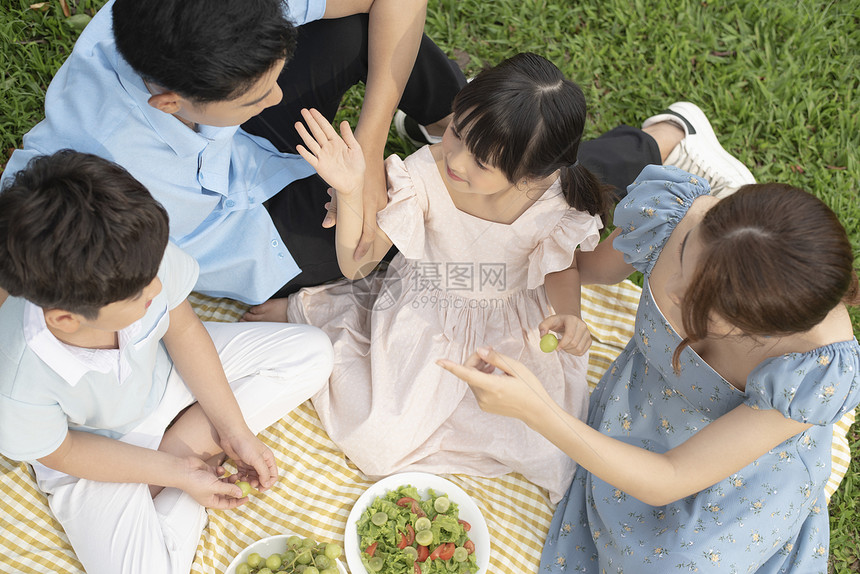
(330, 58)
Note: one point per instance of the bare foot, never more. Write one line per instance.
(274, 310)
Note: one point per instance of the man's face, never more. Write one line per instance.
(263, 94)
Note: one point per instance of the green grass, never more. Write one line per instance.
(778, 79)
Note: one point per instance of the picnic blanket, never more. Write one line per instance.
(318, 485)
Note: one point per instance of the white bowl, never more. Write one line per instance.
(265, 548)
(468, 511)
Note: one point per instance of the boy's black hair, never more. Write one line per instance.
(204, 50)
(78, 232)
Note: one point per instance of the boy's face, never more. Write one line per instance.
(120, 314)
(265, 93)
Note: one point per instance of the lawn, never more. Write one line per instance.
(778, 80)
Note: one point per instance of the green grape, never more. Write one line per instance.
(376, 563)
(460, 554)
(322, 562)
(301, 568)
(548, 343)
(288, 557)
(329, 571)
(442, 504)
(311, 570)
(243, 568)
(379, 518)
(246, 487)
(333, 551)
(304, 557)
(308, 543)
(424, 537)
(273, 562)
(294, 542)
(254, 560)
(265, 571)
(411, 553)
(423, 523)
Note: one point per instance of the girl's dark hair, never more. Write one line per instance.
(204, 50)
(78, 232)
(526, 119)
(775, 262)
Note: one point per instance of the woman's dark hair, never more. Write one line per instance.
(204, 50)
(78, 232)
(775, 262)
(524, 118)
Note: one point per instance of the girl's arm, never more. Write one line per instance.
(604, 265)
(564, 294)
(717, 451)
(340, 162)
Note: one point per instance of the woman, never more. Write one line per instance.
(708, 441)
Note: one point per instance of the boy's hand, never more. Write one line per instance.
(339, 161)
(575, 339)
(205, 483)
(254, 460)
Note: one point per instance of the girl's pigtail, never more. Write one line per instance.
(584, 192)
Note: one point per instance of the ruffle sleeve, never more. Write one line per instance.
(817, 387)
(403, 218)
(555, 252)
(655, 203)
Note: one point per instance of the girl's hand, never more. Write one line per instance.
(516, 393)
(206, 485)
(254, 460)
(576, 338)
(339, 161)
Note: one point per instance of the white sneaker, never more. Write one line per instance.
(700, 152)
(412, 131)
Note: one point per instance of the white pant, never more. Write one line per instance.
(119, 528)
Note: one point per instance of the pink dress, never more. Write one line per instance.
(459, 282)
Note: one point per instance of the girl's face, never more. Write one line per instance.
(463, 173)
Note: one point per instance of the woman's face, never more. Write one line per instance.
(687, 262)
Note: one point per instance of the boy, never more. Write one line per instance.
(110, 385)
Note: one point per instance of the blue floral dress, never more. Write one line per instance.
(769, 517)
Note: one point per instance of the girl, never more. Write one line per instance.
(708, 441)
(486, 224)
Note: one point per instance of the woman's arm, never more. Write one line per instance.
(340, 162)
(717, 451)
(604, 265)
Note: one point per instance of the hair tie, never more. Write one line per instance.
(574, 164)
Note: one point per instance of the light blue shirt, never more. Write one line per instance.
(213, 182)
(47, 387)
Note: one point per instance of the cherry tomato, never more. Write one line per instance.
(447, 550)
(402, 544)
(406, 501)
(371, 549)
(410, 535)
(466, 526)
(435, 554)
(417, 568)
(469, 545)
(423, 553)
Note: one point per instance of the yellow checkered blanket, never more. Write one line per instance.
(318, 485)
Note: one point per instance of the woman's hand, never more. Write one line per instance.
(254, 460)
(515, 393)
(338, 160)
(575, 339)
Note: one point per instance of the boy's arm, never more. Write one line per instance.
(196, 359)
(94, 457)
(394, 35)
